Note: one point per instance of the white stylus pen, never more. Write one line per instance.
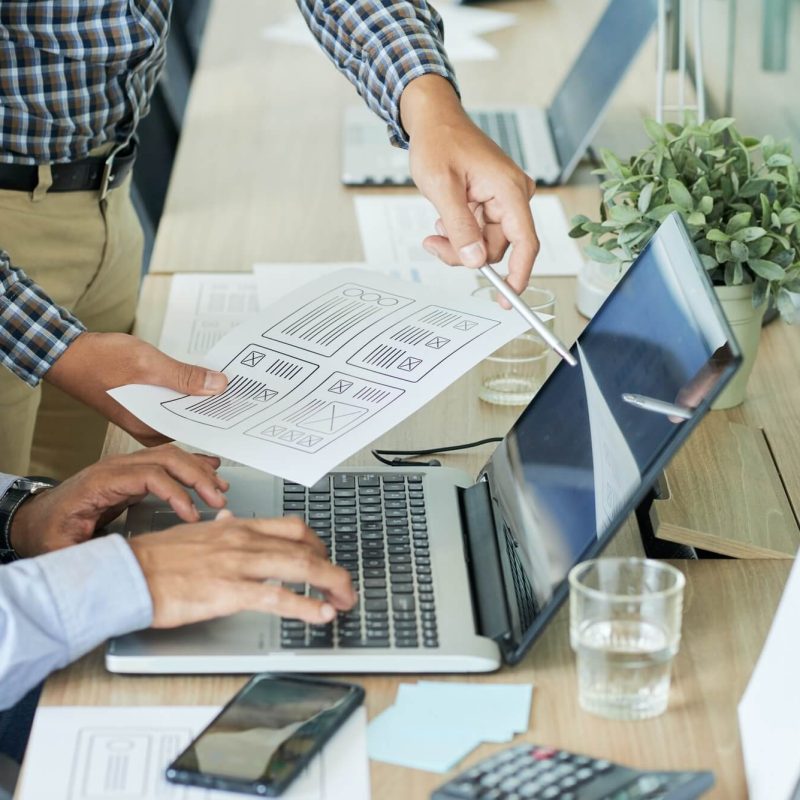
(529, 316)
(657, 406)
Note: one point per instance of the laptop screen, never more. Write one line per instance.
(580, 456)
(576, 110)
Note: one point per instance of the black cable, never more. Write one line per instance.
(403, 462)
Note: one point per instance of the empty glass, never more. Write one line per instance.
(625, 626)
(512, 375)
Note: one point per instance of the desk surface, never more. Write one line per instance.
(256, 179)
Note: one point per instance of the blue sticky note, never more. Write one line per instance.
(399, 738)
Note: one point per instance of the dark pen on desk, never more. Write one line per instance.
(550, 339)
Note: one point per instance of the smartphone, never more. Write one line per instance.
(266, 735)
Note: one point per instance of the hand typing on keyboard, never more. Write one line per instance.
(375, 527)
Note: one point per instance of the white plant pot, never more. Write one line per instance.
(596, 281)
(737, 303)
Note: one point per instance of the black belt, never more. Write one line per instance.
(94, 173)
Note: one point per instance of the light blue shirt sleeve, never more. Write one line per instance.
(59, 606)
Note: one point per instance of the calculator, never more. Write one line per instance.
(531, 772)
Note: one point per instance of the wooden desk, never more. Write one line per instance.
(256, 179)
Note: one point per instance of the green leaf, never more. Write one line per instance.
(722, 252)
(655, 131)
(785, 304)
(779, 160)
(766, 211)
(719, 125)
(789, 215)
(754, 187)
(738, 221)
(760, 247)
(680, 195)
(766, 269)
(739, 251)
(716, 235)
(645, 197)
(611, 162)
(760, 291)
(660, 213)
(709, 262)
(749, 234)
(600, 254)
(697, 219)
(706, 204)
(624, 214)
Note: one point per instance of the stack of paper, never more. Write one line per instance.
(463, 29)
(433, 725)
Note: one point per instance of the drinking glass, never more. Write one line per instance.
(512, 375)
(625, 627)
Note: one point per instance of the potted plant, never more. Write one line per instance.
(740, 199)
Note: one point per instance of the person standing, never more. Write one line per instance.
(76, 77)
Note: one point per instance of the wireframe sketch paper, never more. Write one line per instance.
(108, 753)
(326, 370)
(202, 308)
(276, 279)
(392, 228)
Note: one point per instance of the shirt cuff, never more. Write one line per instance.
(34, 331)
(403, 51)
(99, 591)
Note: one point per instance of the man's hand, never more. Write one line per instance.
(71, 512)
(95, 362)
(212, 569)
(482, 197)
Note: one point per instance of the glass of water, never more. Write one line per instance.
(512, 375)
(625, 627)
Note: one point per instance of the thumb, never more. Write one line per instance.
(462, 228)
(185, 378)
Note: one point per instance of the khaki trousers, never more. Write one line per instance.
(86, 254)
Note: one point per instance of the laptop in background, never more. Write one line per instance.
(461, 574)
(546, 143)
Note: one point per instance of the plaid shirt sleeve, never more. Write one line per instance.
(34, 331)
(381, 46)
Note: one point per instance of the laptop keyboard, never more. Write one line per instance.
(503, 128)
(374, 526)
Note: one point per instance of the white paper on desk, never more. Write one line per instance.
(616, 474)
(104, 753)
(202, 308)
(769, 712)
(276, 279)
(392, 228)
(326, 370)
(463, 27)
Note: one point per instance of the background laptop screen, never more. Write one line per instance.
(577, 108)
(579, 453)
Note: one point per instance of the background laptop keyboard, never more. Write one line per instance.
(375, 526)
(503, 128)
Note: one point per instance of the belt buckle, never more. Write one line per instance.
(108, 167)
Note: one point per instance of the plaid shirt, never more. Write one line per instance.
(75, 74)
(34, 331)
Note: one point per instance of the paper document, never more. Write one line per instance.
(278, 279)
(326, 370)
(202, 308)
(463, 28)
(434, 724)
(769, 713)
(105, 753)
(392, 228)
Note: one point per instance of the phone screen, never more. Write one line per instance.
(267, 732)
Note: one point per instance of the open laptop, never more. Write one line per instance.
(546, 143)
(457, 574)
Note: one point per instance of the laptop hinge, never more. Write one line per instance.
(483, 563)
